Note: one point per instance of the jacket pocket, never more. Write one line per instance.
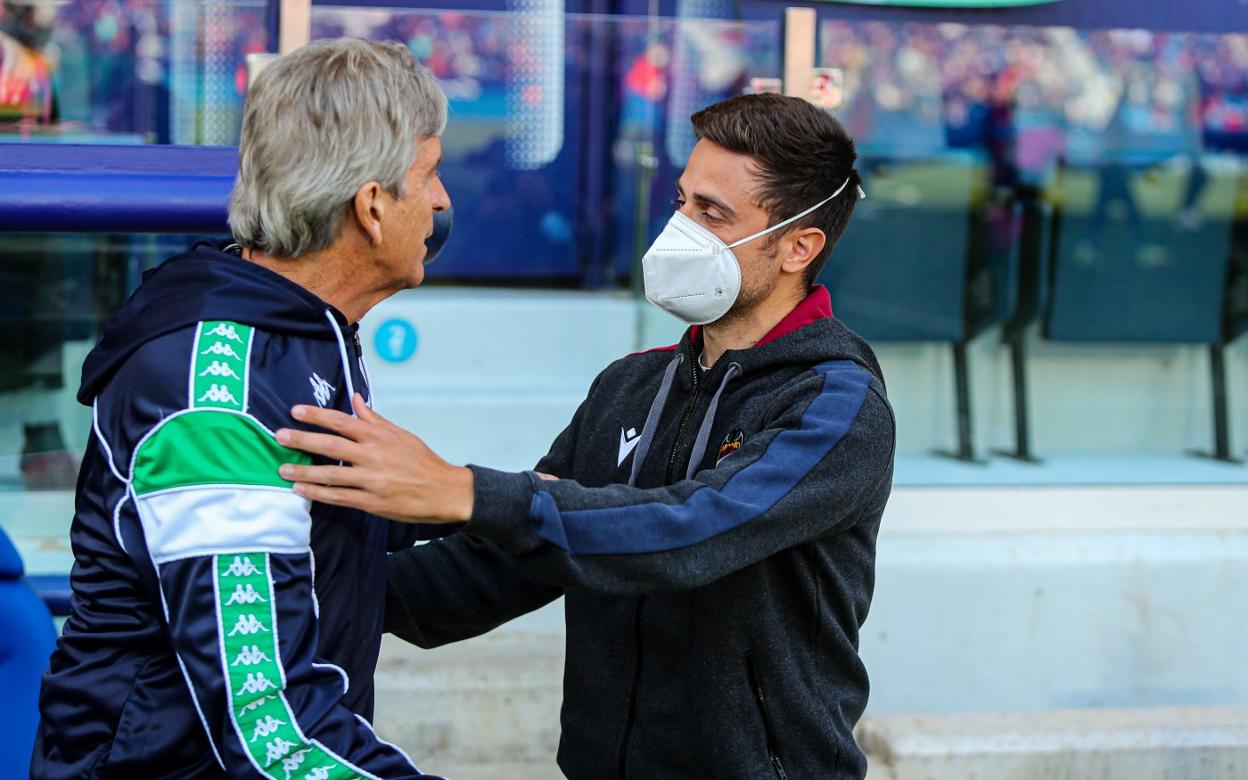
(756, 689)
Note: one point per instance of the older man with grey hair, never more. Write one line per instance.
(222, 625)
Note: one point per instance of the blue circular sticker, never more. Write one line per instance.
(396, 340)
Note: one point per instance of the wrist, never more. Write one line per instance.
(462, 487)
(501, 503)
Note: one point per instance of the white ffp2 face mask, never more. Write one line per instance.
(692, 274)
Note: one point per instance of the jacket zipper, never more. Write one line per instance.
(641, 600)
(684, 422)
(770, 733)
(632, 694)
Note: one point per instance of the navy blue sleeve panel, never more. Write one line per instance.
(456, 588)
(400, 536)
(243, 625)
(823, 463)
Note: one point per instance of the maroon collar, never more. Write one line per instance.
(816, 306)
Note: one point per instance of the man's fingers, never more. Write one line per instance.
(368, 414)
(339, 496)
(332, 447)
(331, 420)
(362, 410)
(322, 475)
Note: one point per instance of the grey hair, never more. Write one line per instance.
(319, 123)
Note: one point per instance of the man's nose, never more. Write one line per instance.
(441, 198)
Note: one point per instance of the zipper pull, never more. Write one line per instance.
(359, 348)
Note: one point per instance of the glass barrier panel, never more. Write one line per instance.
(56, 293)
(1082, 196)
(566, 130)
(135, 72)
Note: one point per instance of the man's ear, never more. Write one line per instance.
(369, 206)
(800, 248)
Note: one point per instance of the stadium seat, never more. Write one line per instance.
(922, 262)
(25, 646)
(1166, 273)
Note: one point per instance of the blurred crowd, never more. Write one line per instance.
(1082, 94)
(118, 67)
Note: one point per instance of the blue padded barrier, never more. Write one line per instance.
(115, 189)
(95, 188)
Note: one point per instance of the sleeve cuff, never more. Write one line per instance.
(500, 506)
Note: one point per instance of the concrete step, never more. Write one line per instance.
(510, 770)
(1154, 743)
(493, 700)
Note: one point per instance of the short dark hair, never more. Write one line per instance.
(802, 154)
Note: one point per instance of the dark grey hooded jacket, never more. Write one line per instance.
(714, 535)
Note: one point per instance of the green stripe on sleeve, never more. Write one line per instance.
(260, 714)
(219, 365)
(211, 447)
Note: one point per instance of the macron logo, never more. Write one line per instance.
(628, 443)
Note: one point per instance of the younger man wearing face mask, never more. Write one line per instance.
(710, 513)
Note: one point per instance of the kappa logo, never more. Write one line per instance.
(247, 625)
(319, 773)
(628, 443)
(241, 567)
(266, 726)
(219, 368)
(225, 331)
(221, 348)
(321, 389)
(218, 394)
(245, 594)
(732, 443)
(257, 704)
(277, 749)
(250, 656)
(294, 761)
(256, 683)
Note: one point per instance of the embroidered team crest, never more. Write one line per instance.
(732, 443)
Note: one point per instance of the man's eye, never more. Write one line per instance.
(678, 202)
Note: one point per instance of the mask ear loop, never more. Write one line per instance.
(791, 220)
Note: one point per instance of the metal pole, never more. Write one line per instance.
(799, 50)
(294, 25)
(1221, 417)
(962, 382)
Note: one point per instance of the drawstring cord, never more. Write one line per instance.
(704, 432)
(342, 352)
(652, 419)
(656, 411)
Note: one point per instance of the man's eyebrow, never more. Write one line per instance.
(708, 199)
